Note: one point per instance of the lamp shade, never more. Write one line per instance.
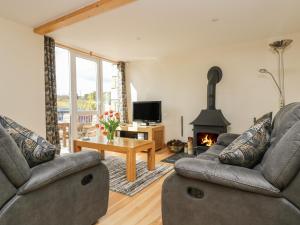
(282, 44)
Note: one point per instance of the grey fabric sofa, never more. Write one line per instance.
(69, 190)
(202, 191)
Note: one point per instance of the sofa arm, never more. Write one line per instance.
(226, 175)
(226, 139)
(59, 168)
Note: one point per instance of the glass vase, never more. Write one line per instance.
(110, 136)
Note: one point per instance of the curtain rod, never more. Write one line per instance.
(90, 53)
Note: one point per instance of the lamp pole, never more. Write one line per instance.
(282, 103)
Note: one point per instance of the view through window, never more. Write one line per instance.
(62, 60)
(95, 89)
(86, 77)
(110, 98)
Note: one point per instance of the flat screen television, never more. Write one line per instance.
(149, 111)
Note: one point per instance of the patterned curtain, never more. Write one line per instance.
(52, 134)
(122, 92)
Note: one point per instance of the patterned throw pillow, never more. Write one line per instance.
(35, 149)
(248, 149)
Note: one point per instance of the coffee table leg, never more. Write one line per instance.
(77, 148)
(102, 154)
(64, 131)
(131, 166)
(151, 158)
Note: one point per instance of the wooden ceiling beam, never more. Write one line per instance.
(88, 11)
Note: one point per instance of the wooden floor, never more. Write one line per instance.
(144, 208)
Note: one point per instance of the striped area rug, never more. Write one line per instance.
(117, 175)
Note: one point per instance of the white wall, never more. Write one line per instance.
(21, 75)
(180, 82)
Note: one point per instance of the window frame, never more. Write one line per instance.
(73, 133)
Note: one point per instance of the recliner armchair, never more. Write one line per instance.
(203, 191)
(69, 190)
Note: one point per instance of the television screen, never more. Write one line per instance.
(147, 111)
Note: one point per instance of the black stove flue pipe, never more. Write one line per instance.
(214, 76)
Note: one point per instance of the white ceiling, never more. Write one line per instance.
(149, 29)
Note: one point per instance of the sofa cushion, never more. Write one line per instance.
(248, 149)
(8, 190)
(212, 153)
(60, 168)
(35, 149)
(283, 121)
(284, 163)
(12, 162)
(225, 175)
(226, 139)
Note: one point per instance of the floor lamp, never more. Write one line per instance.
(279, 47)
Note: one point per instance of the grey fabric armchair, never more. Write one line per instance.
(69, 190)
(202, 191)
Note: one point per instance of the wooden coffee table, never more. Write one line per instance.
(126, 146)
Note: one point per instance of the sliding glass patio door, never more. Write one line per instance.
(63, 89)
(110, 95)
(79, 94)
(86, 97)
(85, 87)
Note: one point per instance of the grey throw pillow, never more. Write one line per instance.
(35, 149)
(248, 149)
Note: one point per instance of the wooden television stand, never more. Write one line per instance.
(155, 133)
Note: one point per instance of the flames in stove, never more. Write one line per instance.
(205, 139)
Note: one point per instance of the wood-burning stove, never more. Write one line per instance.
(211, 122)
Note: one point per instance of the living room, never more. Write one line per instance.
(84, 76)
